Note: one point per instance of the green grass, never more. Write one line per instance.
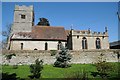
(22, 71)
(52, 72)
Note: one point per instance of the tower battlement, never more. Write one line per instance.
(24, 8)
(89, 33)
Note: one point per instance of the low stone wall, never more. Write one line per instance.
(81, 56)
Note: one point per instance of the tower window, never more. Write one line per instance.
(22, 16)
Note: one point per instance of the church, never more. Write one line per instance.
(27, 36)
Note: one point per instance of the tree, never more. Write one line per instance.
(6, 34)
(0, 45)
(118, 15)
(36, 69)
(43, 22)
(63, 58)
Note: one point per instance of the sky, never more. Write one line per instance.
(79, 15)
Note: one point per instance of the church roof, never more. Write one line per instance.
(43, 32)
(67, 32)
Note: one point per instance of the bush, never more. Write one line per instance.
(36, 69)
(94, 74)
(7, 76)
(102, 67)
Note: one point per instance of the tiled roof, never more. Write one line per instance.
(67, 32)
(43, 32)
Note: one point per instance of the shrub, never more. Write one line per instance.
(36, 69)
(7, 76)
(102, 67)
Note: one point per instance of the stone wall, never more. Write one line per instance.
(81, 56)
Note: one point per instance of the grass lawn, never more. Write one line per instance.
(52, 72)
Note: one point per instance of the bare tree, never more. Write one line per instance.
(118, 16)
(118, 13)
(0, 45)
(6, 34)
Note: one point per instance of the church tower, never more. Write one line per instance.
(23, 19)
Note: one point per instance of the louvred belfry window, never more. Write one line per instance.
(22, 16)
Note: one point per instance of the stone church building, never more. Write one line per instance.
(27, 36)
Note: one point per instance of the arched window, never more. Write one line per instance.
(21, 46)
(98, 46)
(84, 43)
(46, 46)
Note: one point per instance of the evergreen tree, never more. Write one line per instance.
(63, 58)
(36, 69)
